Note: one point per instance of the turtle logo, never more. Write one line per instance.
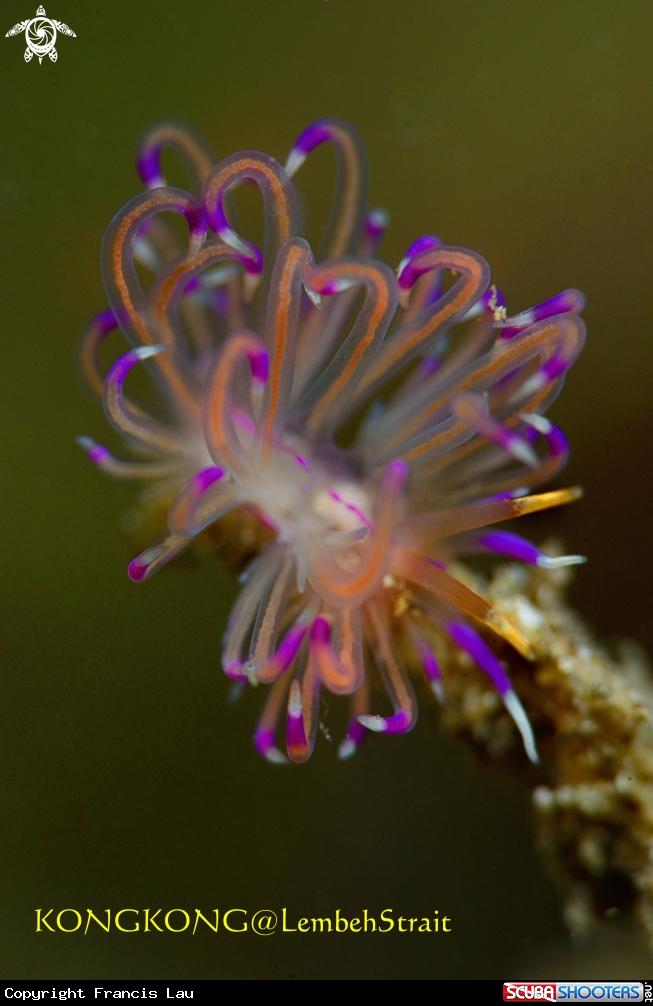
(40, 35)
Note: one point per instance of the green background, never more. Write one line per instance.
(520, 129)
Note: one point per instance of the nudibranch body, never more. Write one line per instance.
(263, 359)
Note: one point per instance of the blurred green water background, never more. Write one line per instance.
(523, 130)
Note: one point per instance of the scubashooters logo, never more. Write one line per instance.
(574, 992)
(40, 35)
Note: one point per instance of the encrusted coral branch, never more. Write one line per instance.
(592, 717)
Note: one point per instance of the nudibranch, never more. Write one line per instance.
(371, 424)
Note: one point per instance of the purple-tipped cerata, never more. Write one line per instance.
(375, 226)
(149, 169)
(259, 365)
(407, 274)
(337, 429)
(470, 641)
(400, 723)
(567, 302)
(513, 545)
(312, 137)
(352, 740)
